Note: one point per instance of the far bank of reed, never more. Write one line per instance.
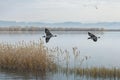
(94, 72)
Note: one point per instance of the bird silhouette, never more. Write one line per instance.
(48, 35)
(93, 37)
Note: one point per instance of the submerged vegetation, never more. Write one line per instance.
(35, 57)
(96, 72)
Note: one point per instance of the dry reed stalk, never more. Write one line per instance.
(25, 57)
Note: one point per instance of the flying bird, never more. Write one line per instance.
(93, 37)
(48, 35)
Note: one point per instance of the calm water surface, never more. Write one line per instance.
(104, 52)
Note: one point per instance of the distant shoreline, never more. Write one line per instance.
(37, 29)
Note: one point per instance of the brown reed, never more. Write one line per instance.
(98, 72)
(24, 56)
(34, 56)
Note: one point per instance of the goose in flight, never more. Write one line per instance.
(48, 35)
(93, 37)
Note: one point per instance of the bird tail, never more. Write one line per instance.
(89, 38)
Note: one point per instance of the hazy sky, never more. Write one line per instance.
(60, 10)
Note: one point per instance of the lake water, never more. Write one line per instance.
(104, 52)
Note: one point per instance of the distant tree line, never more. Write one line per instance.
(18, 28)
(32, 28)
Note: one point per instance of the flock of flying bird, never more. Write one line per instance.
(49, 35)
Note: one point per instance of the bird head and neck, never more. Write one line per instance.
(98, 37)
(54, 35)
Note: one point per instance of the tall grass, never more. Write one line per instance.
(24, 56)
(34, 56)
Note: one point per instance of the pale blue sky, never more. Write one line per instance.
(60, 10)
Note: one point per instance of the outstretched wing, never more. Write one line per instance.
(47, 39)
(91, 35)
(47, 32)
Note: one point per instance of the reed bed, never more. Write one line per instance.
(24, 56)
(35, 57)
